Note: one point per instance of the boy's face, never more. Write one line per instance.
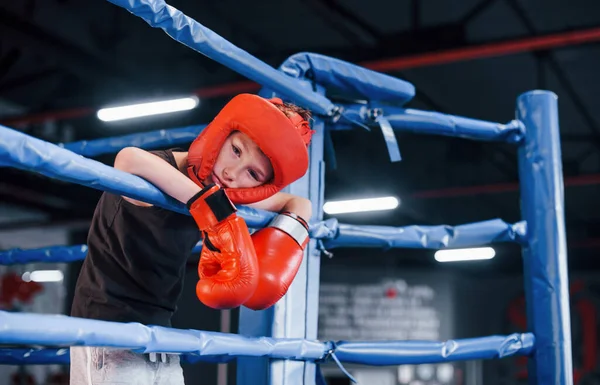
(240, 164)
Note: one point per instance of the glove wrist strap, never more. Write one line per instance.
(294, 227)
(210, 206)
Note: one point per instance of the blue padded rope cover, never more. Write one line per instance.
(426, 122)
(53, 254)
(60, 331)
(337, 235)
(349, 79)
(25, 356)
(189, 32)
(435, 123)
(421, 237)
(423, 352)
(147, 140)
(45, 254)
(28, 153)
(62, 356)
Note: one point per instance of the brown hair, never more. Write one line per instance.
(289, 109)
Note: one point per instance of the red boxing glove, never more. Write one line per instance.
(228, 268)
(279, 248)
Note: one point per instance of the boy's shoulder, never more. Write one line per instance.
(173, 156)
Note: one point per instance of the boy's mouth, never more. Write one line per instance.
(217, 181)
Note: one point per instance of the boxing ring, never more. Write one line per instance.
(279, 345)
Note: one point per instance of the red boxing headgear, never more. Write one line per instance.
(284, 140)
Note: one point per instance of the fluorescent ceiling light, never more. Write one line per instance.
(146, 109)
(454, 255)
(361, 205)
(43, 276)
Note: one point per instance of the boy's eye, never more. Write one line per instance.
(236, 150)
(253, 174)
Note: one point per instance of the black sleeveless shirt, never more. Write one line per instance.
(136, 260)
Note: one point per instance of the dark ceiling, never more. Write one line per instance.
(62, 59)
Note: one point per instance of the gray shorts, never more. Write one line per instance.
(95, 366)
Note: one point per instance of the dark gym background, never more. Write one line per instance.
(61, 60)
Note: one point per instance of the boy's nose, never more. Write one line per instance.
(229, 173)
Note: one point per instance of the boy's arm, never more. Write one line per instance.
(281, 202)
(228, 267)
(160, 173)
(173, 182)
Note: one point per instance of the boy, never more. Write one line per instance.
(137, 252)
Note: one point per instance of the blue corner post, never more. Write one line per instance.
(545, 252)
(296, 314)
